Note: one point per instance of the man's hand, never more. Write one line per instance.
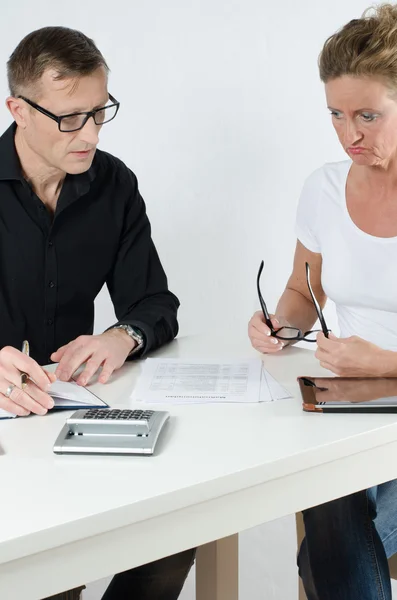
(108, 350)
(354, 357)
(34, 398)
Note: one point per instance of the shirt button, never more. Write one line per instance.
(50, 322)
(50, 243)
(41, 208)
(51, 284)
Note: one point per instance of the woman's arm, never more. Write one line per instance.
(295, 307)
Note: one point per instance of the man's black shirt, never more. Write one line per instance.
(53, 266)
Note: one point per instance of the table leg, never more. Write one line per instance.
(217, 570)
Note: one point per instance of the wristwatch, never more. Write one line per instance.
(135, 334)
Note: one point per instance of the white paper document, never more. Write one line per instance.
(277, 391)
(176, 381)
(68, 393)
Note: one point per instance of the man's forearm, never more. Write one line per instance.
(156, 317)
(297, 310)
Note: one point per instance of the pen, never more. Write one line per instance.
(24, 376)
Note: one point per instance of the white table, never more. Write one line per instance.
(221, 469)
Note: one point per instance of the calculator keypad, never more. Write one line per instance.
(118, 414)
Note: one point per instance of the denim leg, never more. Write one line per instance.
(386, 518)
(159, 580)
(342, 556)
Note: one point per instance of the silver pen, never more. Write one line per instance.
(24, 376)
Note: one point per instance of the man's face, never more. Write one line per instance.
(71, 152)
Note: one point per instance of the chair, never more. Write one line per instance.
(300, 532)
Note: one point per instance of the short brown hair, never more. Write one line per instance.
(365, 47)
(69, 52)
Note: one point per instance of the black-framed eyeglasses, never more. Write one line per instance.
(293, 333)
(76, 121)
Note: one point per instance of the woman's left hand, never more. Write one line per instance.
(355, 357)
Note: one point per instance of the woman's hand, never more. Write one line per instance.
(260, 334)
(355, 357)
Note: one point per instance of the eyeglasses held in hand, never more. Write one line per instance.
(293, 333)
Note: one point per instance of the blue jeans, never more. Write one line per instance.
(347, 544)
(159, 580)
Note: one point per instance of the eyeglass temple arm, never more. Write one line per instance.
(40, 109)
(261, 300)
(316, 304)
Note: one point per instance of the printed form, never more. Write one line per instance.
(176, 381)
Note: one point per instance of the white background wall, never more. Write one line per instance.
(222, 118)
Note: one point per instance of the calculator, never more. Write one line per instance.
(111, 431)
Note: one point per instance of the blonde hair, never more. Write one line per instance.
(365, 47)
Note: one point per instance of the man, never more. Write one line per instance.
(71, 219)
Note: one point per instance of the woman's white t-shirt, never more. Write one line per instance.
(359, 271)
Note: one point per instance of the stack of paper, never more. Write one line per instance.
(175, 381)
(276, 391)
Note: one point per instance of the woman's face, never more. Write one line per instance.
(364, 114)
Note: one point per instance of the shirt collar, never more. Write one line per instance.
(10, 166)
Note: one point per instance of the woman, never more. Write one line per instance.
(347, 232)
